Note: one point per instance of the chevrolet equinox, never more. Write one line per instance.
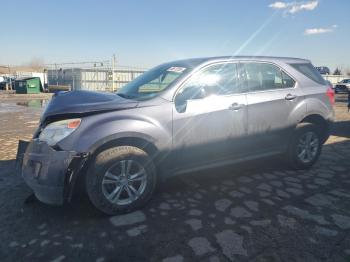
(176, 118)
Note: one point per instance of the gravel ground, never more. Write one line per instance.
(258, 211)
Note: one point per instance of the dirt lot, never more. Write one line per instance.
(259, 211)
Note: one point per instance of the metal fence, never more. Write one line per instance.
(335, 78)
(93, 76)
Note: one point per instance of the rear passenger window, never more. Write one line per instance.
(309, 71)
(262, 76)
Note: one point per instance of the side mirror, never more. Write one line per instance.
(190, 93)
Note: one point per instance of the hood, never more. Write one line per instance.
(82, 102)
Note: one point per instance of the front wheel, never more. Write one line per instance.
(305, 146)
(120, 180)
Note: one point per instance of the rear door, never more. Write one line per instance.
(272, 96)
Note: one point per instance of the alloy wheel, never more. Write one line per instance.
(124, 182)
(307, 148)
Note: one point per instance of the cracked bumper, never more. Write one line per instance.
(49, 173)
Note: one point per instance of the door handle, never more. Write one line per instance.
(236, 106)
(290, 97)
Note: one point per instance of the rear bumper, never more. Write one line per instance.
(49, 173)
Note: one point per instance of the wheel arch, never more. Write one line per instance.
(320, 122)
(144, 143)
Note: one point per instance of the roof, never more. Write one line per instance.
(25, 78)
(192, 62)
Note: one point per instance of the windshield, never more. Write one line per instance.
(152, 82)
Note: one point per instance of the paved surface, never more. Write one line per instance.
(254, 212)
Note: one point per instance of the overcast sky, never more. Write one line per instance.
(148, 32)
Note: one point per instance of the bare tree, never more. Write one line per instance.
(337, 71)
(35, 63)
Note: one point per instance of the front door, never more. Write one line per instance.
(210, 116)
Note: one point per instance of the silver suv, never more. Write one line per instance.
(176, 118)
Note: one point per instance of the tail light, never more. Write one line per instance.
(331, 95)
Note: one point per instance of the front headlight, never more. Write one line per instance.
(56, 131)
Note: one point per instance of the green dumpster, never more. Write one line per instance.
(30, 85)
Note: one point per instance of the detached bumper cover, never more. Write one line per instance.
(49, 173)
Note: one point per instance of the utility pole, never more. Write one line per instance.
(45, 80)
(56, 74)
(10, 77)
(113, 69)
(73, 78)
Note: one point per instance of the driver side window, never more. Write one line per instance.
(219, 79)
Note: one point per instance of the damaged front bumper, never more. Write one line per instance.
(50, 173)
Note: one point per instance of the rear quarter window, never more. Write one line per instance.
(309, 71)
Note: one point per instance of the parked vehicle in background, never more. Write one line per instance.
(343, 86)
(2, 83)
(6, 83)
(176, 118)
(324, 70)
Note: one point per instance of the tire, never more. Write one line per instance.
(295, 148)
(102, 183)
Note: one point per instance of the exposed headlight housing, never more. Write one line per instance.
(56, 131)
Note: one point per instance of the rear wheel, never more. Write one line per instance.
(120, 180)
(305, 146)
